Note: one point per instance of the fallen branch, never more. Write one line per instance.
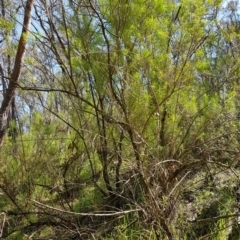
(108, 214)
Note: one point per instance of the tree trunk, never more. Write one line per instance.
(8, 97)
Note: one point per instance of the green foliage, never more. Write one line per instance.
(89, 200)
(136, 106)
(6, 25)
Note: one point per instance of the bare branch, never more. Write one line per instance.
(107, 214)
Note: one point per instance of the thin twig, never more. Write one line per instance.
(178, 183)
(3, 224)
(218, 218)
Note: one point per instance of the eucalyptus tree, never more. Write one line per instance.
(8, 39)
(14, 74)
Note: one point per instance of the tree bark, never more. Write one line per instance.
(8, 97)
